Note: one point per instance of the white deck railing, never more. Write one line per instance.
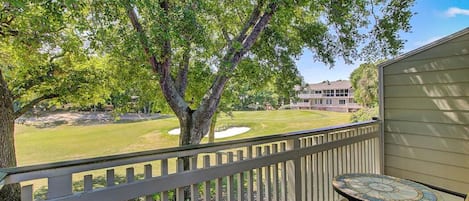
(294, 166)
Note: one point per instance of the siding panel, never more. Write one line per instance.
(433, 64)
(436, 90)
(430, 179)
(453, 159)
(435, 169)
(463, 38)
(423, 103)
(448, 117)
(444, 50)
(427, 142)
(435, 77)
(436, 130)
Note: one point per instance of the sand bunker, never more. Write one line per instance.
(222, 134)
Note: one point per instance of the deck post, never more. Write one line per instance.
(294, 172)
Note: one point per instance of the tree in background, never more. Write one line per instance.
(364, 81)
(41, 58)
(179, 39)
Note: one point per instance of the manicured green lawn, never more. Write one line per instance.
(42, 145)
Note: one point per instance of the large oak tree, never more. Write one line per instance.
(234, 39)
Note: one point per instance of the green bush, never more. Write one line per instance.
(364, 114)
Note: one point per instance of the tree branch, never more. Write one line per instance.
(213, 95)
(32, 103)
(52, 58)
(142, 38)
(251, 22)
(174, 99)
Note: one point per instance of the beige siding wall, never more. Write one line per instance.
(426, 114)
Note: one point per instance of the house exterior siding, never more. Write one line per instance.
(425, 109)
(331, 96)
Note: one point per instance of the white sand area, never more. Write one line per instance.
(222, 134)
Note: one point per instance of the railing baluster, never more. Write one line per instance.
(180, 190)
(343, 149)
(360, 152)
(207, 184)
(268, 179)
(259, 189)
(315, 172)
(353, 152)
(335, 163)
(219, 181)
(130, 177)
(320, 172)
(164, 172)
(194, 187)
(304, 169)
(275, 177)
(250, 177)
(230, 180)
(240, 178)
(129, 174)
(328, 169)
(309, 172)
(110, 178)
(88, 183)
(283, 181)
(59, 186)
(357, 153)
(27, 193)
(148, 174)
(294, 173)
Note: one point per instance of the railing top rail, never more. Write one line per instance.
(179, 151)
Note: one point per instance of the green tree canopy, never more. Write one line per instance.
(364, 81)
(42, 57)
(219, 41)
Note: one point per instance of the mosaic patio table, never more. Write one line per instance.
(374, 187)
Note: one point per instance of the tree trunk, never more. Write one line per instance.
(7, 143)
(211, 133)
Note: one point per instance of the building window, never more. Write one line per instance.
(328, 101)
(342, 102)
(318, 101)
(341, 92)
(328, 93)
(317, 92)
(305, 100)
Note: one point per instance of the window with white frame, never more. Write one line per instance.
(342, 102)
(341, 92)
(328, 101)
(328, 93)
(318, 101)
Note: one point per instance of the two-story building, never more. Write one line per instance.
(327, 95)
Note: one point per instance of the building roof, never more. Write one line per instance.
(425, 47)
(339, 84)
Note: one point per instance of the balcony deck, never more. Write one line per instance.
(293, 166)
